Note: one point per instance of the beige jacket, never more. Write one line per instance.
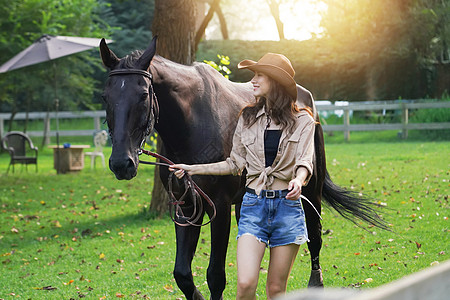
(294, 150)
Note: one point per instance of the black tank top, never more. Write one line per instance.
(271, 141)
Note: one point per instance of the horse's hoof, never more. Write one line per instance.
(197, 295)
(315, 279)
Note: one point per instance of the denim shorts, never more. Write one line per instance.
(273, 221)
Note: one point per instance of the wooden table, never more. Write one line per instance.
(68, 159)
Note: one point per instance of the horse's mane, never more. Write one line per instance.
(129, 60)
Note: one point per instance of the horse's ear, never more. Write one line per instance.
(144, 61)
(110, 60)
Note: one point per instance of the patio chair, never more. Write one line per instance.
(20, 148)
(100, 139)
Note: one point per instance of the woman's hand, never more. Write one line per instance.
(180, 169)
(295, 189)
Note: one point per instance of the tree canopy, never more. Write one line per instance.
(36, 87)
(365, 49)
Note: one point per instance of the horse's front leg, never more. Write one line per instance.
(220, 232)
(187, 239)
(314, 227)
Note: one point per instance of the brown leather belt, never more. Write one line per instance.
(270, 194)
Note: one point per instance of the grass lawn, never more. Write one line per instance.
(88, 235)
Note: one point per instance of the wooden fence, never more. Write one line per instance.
(96, 116)
(402, 108)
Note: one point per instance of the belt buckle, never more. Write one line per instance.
(270, 194)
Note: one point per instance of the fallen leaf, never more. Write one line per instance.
(418, 245)
(169, 288)
(67, 283)
(368, 280)
(46, 288)
(86, 232)
(120, 295)
(101, 256)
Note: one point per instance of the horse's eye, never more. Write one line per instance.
(144, 96)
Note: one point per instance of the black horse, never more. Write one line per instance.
(196, 111)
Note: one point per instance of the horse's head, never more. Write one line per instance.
(130, 106)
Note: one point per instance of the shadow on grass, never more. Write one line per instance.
(78, 231)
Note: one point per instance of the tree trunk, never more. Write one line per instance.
(275, 11)
(223, 23)
(206, 20)
(174, 24)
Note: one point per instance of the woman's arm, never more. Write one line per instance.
(218, 168)
(233, 165)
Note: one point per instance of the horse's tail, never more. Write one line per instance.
(351, 205)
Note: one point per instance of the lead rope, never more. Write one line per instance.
(307, 200)
(190, 186)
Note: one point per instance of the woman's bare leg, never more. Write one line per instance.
(250, 252)
(281, 260)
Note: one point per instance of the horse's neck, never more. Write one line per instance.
(173, 84)
(198, 107)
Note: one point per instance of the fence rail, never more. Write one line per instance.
(96, 115)
(403, 107)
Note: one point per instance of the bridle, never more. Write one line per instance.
(191, 188)
(154, 107)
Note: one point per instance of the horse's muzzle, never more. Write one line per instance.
(123, 168)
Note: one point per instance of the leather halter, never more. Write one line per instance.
(131, 72)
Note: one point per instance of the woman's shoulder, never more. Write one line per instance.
(305, 115)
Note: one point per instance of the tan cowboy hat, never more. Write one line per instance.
(276, 66)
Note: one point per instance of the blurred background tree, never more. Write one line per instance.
(341, 49)
(355, 49)
(31, 88)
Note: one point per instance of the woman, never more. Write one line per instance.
(273, 141)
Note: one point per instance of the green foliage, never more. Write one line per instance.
(89, 235)
(68, 79)
(131, 21)
(370, 50)
(151, 142)
(221, 66)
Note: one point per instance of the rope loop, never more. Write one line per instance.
(190, 189)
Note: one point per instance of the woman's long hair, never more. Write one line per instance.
(282, 107)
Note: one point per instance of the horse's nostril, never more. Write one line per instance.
(123, 168)
(130, 164)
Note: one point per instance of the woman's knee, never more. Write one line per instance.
(275, 288)
(246, 286)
